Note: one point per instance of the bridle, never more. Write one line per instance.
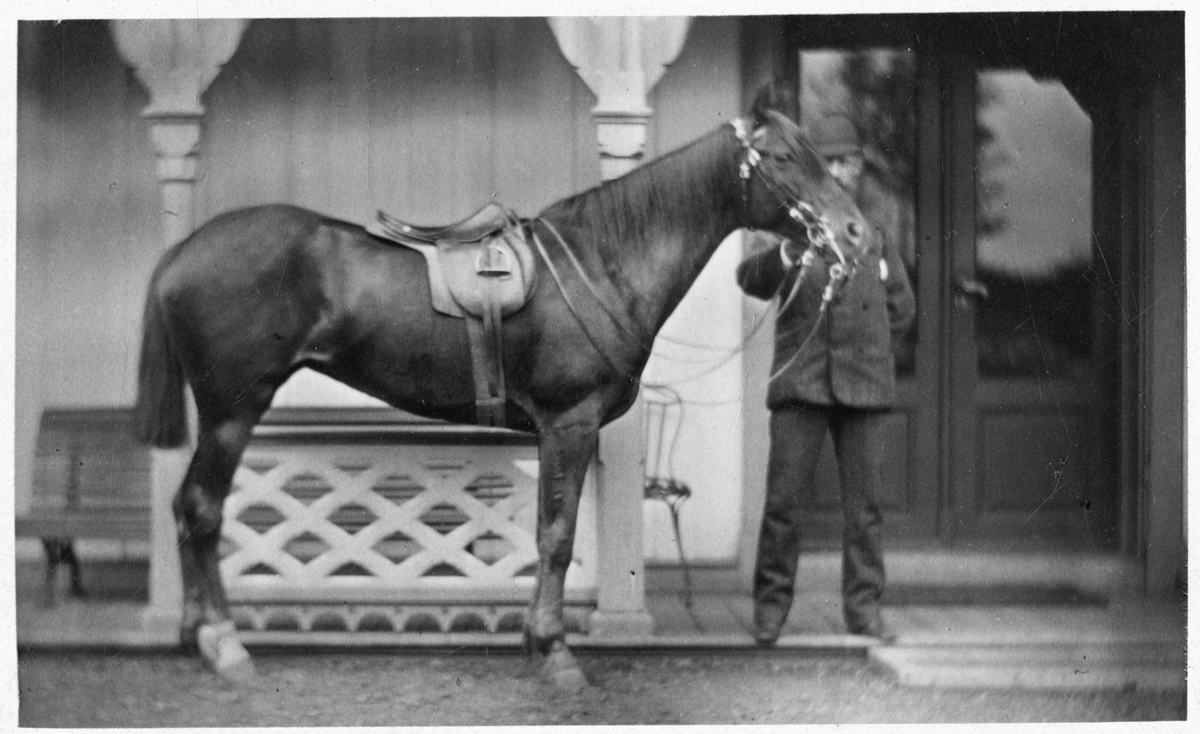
(803, 213)
(820, 233)
(817, 227)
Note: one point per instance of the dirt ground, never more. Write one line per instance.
(169, 690)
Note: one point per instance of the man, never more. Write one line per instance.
(836, 373)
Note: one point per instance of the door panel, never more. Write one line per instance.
(1027, 436)
(1028, 461)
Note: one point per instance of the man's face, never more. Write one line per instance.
(846, 170)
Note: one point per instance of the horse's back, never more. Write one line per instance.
(236, 244)
(255, 293)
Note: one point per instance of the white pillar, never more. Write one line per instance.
(620, 59)
(176, 60)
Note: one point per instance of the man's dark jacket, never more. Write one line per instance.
(849, 359)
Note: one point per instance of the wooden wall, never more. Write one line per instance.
(86, 229)
(428, 118)
(87, 217)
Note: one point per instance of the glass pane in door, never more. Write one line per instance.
(1033, 228)
(1038, 437)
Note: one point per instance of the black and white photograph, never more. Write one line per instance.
(698, 364)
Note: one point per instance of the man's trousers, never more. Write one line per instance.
(797, 434)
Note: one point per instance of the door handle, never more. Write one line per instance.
(970, 287)
(968, 291)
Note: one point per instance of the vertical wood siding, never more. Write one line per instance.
(86, 215)
(428, 118)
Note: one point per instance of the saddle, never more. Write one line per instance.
(482, 270)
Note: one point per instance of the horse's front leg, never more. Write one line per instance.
(566, 447)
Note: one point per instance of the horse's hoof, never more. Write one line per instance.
(570, 680)
(219, 645)
(562, 671)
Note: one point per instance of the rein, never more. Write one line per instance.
(567, 298)
(627, 330)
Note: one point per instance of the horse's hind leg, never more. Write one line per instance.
(565, 449)
(207, 622)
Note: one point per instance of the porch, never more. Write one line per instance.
(1033, 622)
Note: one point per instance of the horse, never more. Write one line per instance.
(258, 293)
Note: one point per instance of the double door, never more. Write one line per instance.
(993, 183)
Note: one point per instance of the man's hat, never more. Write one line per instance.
(834, 135)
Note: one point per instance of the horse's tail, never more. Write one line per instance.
(160, 416)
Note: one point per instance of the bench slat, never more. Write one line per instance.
(91, 480)
(130, 524)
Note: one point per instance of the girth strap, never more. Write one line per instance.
(487, 357)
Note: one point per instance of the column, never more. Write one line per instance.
(176, 60)
(620, 59)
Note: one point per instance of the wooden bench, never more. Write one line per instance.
(92, 481)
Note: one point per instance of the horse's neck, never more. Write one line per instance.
(671, 266)
(663, 222)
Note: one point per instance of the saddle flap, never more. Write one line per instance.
(500, 267)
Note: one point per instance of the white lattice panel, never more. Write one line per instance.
(413, 524)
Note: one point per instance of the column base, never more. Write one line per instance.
(620, 624)
(162, 620)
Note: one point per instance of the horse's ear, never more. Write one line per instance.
(774, 96)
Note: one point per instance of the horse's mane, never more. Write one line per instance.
(664, 193)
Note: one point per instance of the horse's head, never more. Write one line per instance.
(786, 187)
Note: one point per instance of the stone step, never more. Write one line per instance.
(1155, 666)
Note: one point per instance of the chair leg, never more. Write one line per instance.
(77, 589)
(53, 547)
(61, 551)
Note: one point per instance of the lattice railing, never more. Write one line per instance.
(400, 537)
